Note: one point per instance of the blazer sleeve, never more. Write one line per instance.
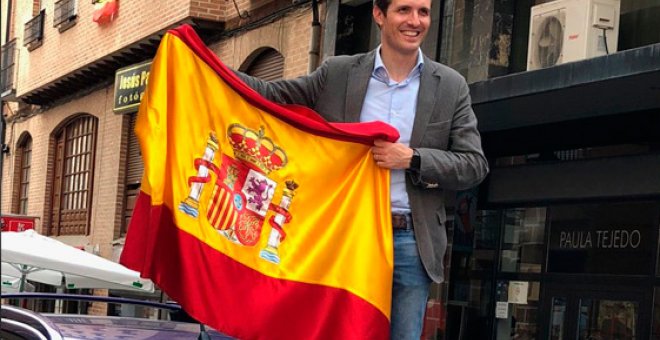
(303, 90)
(463, 164)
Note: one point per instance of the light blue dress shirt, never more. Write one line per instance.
(394, 103)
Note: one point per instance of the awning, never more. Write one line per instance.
(580, 103)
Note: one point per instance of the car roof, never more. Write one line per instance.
(90, 327)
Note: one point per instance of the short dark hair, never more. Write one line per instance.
(383, 5)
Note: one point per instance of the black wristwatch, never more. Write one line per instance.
(416, 161)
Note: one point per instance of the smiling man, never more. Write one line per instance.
(439, 147)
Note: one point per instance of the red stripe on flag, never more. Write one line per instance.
(236, 299)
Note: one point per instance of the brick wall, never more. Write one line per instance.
(65, 52)
(108, 168)
(87, 41)
(289, 35)
(211, 9)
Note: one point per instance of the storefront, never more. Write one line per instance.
(564, 243)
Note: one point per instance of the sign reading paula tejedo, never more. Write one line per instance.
(130, 84)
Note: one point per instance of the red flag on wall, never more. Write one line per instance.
(105, 11)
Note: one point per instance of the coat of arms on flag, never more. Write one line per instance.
(242, 191)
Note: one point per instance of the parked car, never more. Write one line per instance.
(21, 323)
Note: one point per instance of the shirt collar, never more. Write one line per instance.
(380, 71)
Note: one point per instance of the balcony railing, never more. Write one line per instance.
(8, 68)
(34, 31)
(65, 14)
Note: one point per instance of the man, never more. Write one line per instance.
(439, 148)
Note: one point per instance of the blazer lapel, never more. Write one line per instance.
(428, 94)
(356, 89)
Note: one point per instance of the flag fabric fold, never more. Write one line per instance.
(262, 220)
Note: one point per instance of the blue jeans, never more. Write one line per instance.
(410, 288)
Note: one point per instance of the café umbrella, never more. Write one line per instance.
(29, 256)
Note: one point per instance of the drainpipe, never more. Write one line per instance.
(3, 122)
(315, 44)
(446, 31)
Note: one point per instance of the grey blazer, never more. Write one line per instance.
(445, 134)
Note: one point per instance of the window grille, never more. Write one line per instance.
(65, 13)
(24, 181)
(34, 30)
(73, 176)
(7, 71)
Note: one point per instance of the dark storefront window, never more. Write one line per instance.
(475, 234)
(522, 243)
(638, 19)
(657, 261)
(517, 309)
(607, 319)
(474, 253)
(655, 331)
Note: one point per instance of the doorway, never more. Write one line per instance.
(594, 313)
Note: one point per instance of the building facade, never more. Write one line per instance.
(561, 240)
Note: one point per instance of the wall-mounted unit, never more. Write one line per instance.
(562, 31)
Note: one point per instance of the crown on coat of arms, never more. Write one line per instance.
(253, 147)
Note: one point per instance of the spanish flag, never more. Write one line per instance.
(262, 220)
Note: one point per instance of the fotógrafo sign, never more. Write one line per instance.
(130, 84)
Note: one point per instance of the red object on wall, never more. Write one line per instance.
(17, 222)
(105, 11)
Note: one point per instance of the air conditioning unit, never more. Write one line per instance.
(562, 31)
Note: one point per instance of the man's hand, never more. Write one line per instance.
(391, 155)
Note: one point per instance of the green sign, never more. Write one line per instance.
(130, 83)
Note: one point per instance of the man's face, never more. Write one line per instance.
(405, 25)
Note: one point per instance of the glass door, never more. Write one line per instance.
(592, 314)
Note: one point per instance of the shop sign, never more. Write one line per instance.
(17, 222)
(600, 239)
(600, 250)
(130, 84)
(603, 239)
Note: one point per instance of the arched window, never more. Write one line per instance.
(75, 146)
(22, 165)
(265, 63)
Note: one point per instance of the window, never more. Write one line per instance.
(134, 169)
(267, 64)
(657, 261)
(65, 14)
(22, 163)
(522, 246)
(7, 70)
(75, 146)
(34, 31)
(519, 320)
(655, 332)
